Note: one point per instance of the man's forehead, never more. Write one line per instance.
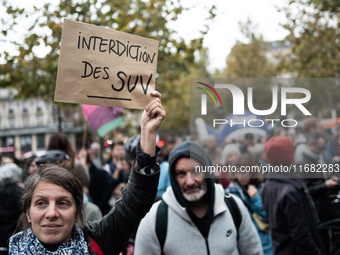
(187, 162)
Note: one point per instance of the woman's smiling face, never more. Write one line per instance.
(52, 214)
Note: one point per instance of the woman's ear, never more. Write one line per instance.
(28, 217)
(76, 218)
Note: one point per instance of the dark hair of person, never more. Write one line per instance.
(310, 122)
(166, 151)
(15, 160)
(246, 160)
(117, 143)
(249, 136)
(59, 141)
(80, 172)
(56, 175)
(30, 160)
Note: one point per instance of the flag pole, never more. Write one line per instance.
(84, 135)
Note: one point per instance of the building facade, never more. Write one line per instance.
(25, 125)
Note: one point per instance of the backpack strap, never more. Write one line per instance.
(162, 223)
(162, 218)
(234, 211)
(95, 247)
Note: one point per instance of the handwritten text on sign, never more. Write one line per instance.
(100, 66)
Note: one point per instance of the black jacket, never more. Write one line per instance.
(9, 211)
(292, 225)
(100, 190)
(113, 231)
(318, 189)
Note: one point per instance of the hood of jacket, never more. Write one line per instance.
(195, 151)
(219, 207)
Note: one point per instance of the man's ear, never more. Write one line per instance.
(28, 217)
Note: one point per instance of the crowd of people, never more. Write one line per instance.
(298, 209)
(233, 213)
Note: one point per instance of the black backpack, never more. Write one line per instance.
(162, 218)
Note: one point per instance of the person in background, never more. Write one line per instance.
(117, 193)
(229, 156)
(290, 210)
(11, 189)
(126, 165)
(11, 159)
(114, 167)
(257, 153)
(280, 131)
(311, 125)
(332, 151)
(248, 142)
(164, 178)
(95, 154)
(247, 186)
(320, 185)
(60, 142)
(91, 212)
(312, 151)
(31, 168)
(99, 189)
(211, 146)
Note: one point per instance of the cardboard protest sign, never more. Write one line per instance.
(100, 66)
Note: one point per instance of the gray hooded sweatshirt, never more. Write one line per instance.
(183, 235)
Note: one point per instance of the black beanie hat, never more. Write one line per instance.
(192, 150)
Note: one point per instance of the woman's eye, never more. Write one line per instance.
(63, 203)
(40, 203)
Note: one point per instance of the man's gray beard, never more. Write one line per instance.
(198, 196)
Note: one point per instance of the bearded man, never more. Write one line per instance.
(198, 218)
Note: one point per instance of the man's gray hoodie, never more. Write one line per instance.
(185, 233)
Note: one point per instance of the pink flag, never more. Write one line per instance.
(103, 119)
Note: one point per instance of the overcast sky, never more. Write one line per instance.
(224, 30)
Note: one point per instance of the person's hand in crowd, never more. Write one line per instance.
(82, 156)
(21, 185)
(151, 119)
(252, 191)
(332, 182)
(119, 169)
(336, 159)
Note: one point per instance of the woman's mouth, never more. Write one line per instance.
(51, 226)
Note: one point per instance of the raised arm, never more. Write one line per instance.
(114, 230)
(152, 118)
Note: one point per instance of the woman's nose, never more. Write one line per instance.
(52, 212)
